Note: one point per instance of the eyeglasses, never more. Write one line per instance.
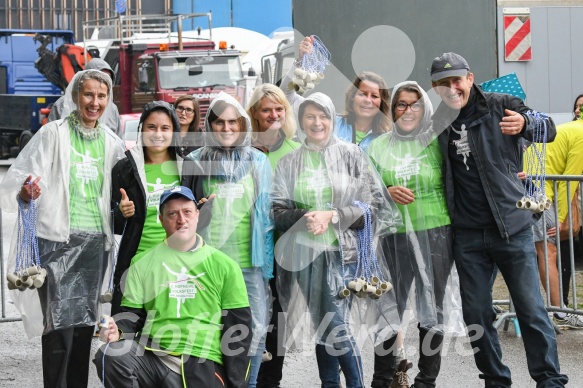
(181, 109)
(415, 106)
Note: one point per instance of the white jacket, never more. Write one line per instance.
(48, 155)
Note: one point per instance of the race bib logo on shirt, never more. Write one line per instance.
(462, 145)
(86, 170)
(229, 190)
(184, 287)
(157, 190)
(409, 167)
(318, 179)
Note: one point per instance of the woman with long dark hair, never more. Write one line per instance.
(366, 106)
(188, 112)
(138, 180)
(577, 107)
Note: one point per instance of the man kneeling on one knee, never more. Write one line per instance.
(185, 317)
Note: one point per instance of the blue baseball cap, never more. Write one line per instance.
(178, 191)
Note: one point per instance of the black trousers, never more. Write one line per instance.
(566, 269)
(65, 355)
(129, 364)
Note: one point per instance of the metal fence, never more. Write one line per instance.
(564, 261)
(510, 316)
(561, 261)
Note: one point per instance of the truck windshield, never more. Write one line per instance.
(200, 71)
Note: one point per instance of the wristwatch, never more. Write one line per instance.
(335, 217)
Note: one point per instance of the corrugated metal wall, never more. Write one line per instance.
(554, 76)
(69, 14)
(256, 15)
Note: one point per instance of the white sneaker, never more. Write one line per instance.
(570, 321)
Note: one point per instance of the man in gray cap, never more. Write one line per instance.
(480, 137)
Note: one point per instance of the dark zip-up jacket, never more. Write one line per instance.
(126, 175)
(498, 156)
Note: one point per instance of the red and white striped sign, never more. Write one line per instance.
(517, 41)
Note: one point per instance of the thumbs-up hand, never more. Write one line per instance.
(125, 205)
(205, 205)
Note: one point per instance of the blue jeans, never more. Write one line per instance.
(258, 301)
(476, 251)
(340, 347)
(319, 284)
(350, 363)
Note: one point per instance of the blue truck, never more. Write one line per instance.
(25, 94)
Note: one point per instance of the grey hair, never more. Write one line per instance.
(96, 75)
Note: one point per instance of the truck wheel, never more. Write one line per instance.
(24, 139)
(14, 151)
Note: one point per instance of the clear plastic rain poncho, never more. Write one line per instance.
(240, 225)
(110, 116)
(316, 270)
(420, 253)
(73, 223)
(240, 176)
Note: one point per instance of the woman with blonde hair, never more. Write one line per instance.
(274, 126)
(273, 122)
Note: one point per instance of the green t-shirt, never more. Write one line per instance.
(159, 177)
(359, 136)
(85, 182)
(313, 191)
(230, 226)
(184, 294)
(409, 164)
(286, 147)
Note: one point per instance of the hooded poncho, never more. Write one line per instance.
(73, 221)
(316, 268)
(420, 253)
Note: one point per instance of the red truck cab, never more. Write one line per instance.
(148, 74)
(153, 63)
